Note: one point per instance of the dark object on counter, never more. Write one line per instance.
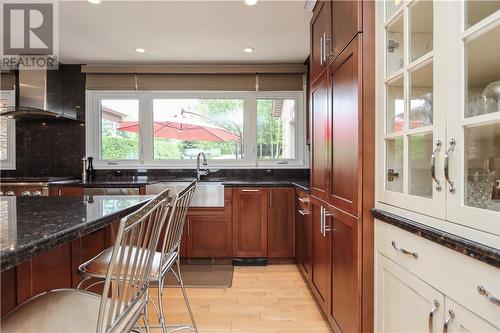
(90, 169)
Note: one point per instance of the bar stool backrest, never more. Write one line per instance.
(176, 221)
(129, 270)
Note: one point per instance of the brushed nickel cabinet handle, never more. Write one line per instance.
(400, 249)
(433, 165)
(250, 190)
(303, 212)
(447, 165)
(448, 321)
(431, 316)
(321, 221)
(321, 50)
(488, 295)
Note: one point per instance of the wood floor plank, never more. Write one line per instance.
(263, 299)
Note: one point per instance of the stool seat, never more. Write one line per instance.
(63, 310)
(98, 266)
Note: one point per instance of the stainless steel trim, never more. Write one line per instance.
(447, 165)
(448, 321)
(433, 165)
(400, 249)
(488, 295)
(431, 316)
(321, 50)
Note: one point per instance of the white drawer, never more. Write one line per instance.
(453, 274)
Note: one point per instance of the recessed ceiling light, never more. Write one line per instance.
(248, 49)
(140, 50)
(251, 2)
(95, 2)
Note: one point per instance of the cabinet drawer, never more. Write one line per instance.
(455, 275)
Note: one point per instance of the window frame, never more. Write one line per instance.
(10, 162)
(146, 154)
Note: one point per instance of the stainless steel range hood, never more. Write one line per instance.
(40, 97)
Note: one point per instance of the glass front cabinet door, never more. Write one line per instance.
(438, 91)
(472, 148)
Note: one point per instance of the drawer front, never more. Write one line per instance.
(454, 274)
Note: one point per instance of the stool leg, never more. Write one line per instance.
(184, 294)
(161, 315)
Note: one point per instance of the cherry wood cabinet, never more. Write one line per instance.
(303, 235)
(345, 288)
(321, 255)
(344, 113)
(346, 23)
(76, 191)
(319, 137)
(250, 222)
(321, 29)
(280, 223)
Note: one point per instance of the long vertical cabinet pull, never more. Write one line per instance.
(448, 321)
(433, 165)
(321, 50)
(321, 220)
(431, 316)
(447, 165)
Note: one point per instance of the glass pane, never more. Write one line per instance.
(482, 167)
(476, 10)
(483, 74)
(185, 127)
(276, 126)
(394, 162)
(420, 152)
(395, 105)
(421, 27)
(395, 45)
(421, 97)
(120, 129)
(391, 6)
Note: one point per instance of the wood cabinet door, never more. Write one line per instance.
(319, 138)
(281, 223)
(321, 26)
(346, 23)
(67, 191)
(304, 234)
(404, 302)
(344, 94)
(208, 235)
(321, 256)
(250, 222)
(346, 269)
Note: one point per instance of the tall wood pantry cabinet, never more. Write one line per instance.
(342, 162)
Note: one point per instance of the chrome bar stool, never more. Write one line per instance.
(165, 261)
(127, 279)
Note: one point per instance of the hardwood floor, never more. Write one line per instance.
(262, 300)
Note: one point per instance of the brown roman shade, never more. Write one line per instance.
(196, 78)
(7, 81)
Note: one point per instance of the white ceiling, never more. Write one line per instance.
(183, 32)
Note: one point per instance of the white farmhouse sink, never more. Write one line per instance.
(207, 194)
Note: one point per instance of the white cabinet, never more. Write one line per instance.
(438, 110)
(430, 278)
(404, 302)
(461, 320)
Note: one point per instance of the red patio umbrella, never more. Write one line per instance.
(183, 128)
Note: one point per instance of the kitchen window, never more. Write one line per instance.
(150, 129)
(7, 133)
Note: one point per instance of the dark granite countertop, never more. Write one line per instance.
(470, 248)
(302, 184)
(30, 226)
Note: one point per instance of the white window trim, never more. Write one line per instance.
(10, 162)
(146, 161)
